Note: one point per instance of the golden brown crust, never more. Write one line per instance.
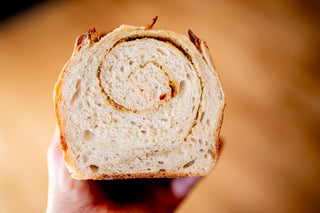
(160, 174)
(195, 40)
(154, 20)
(64, 145)
(91, 34)
(219, 143)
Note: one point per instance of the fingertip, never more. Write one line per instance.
(181, 186)
(54, 153)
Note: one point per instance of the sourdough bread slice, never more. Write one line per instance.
(139, 103)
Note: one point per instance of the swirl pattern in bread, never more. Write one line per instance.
(139, 103)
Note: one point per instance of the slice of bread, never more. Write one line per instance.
(139, 103)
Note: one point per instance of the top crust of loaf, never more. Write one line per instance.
(202, 132)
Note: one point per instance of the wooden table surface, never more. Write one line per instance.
(267, 54)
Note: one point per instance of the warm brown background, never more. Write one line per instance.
(267, 54)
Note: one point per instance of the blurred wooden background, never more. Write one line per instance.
(267, 54)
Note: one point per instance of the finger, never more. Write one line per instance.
(57, 170)
(54, 153)
(181, 186)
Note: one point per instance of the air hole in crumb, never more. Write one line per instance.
(88, 135)
(143, 131)
(188, 76)
(182, 87)
(77, 157)
(94, 168)
(162, 170)
(88, 103)
(154, 131)
(163, 96)
(148, 169)
(200, 142)
(164, 119)
(208, 122)
(193, 140)
(121, 68)
(201, 150)
(201, 117)
(160, 162)
(189, 164)
(193, 99)
(160, 51)
(180, 131)
(76, 95)
(193, 108)
(106, 159)
(156, 150)
(206, 143)
(130, 62)
(210, 152)
(133, 123)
